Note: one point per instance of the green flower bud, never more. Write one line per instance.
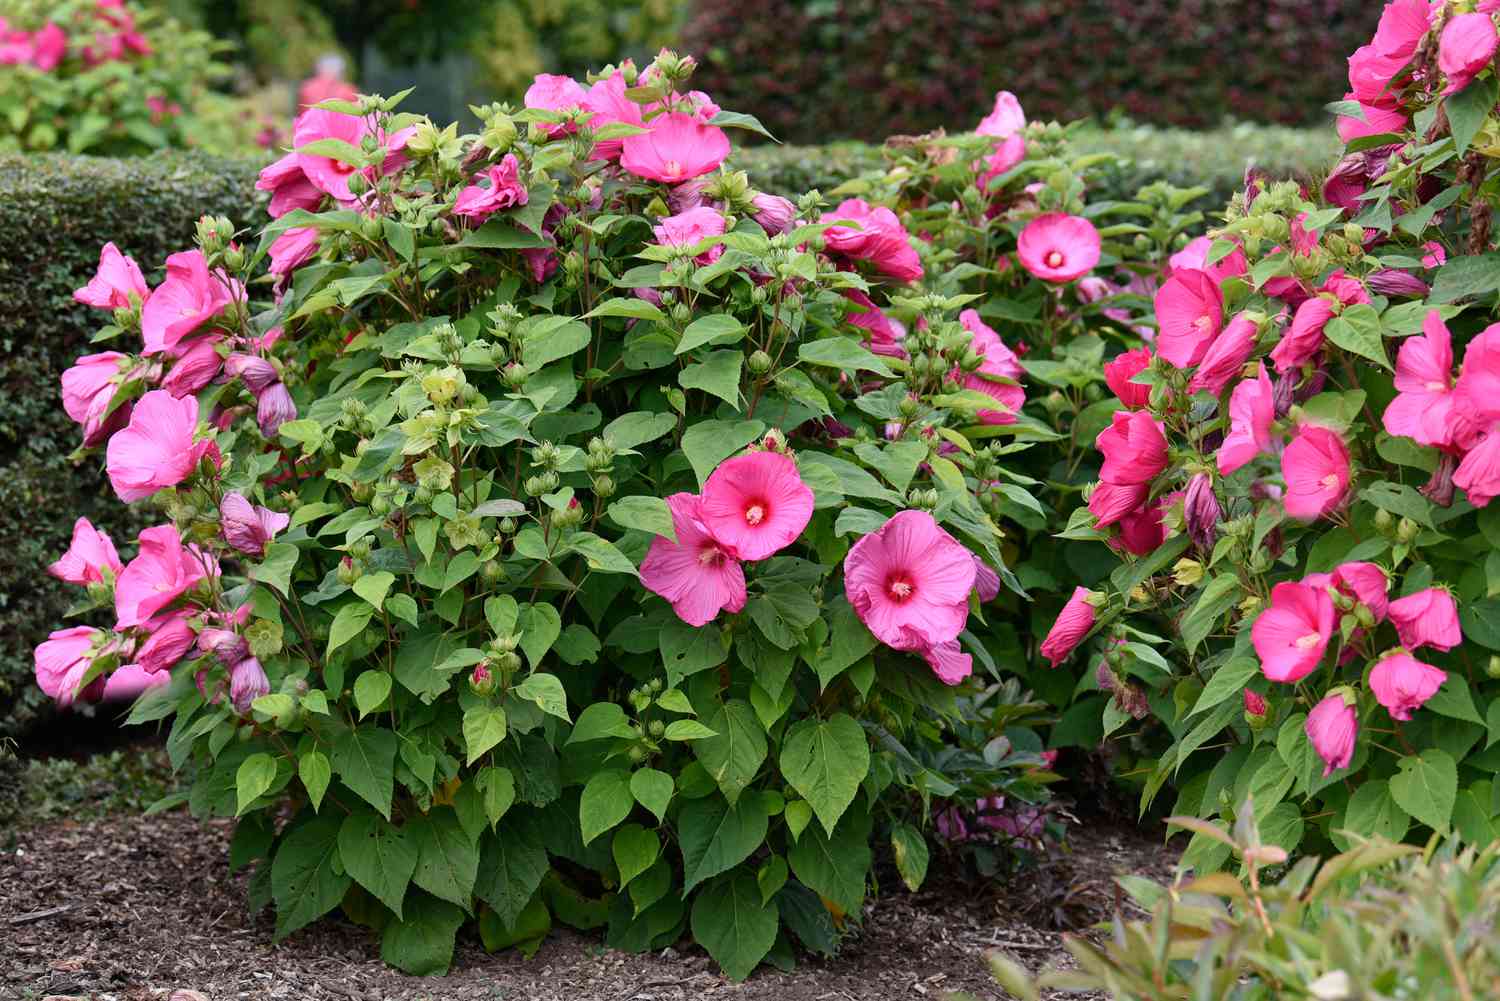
(349, 572)
(357, 184)
(604, 486)
(1384, 522)
(657, 728)
(492, 572)
(759, 363)
(370, 228)
(1406, 530)
(1493, 668)
(655, 685)
(433, 473)
(637, 755)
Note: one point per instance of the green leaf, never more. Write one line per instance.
(648, 514)
(600, 554)
(835, 867)
(1228, 681)
(843, 353)
(347, 624)
(715, 836)
(736, 927)
(1468, 109)
(497, 792)
(1463, 277)
(500, 235)
(1372, 813)
(422, 945)
(373, 587)
(370, 691)
(910, 849)
(484, 727)
(798, 815)
(275, 570)
(539, 626)
(512, 864)
(632, 430)
(447, 861)
(1400, 500)
(315, 772)
(708, 443)
(740, 120)
(1221, 594)
(630, 307)
(825, 761)
(551, 339)
(687, 729)
(599, 721)
(653, 790)
(686, 651)
(307, 880)
(253, 778)
(1426, 786)
(1454, 700)
(365, 759)
(606, 801)
(771, 877)
(1357, 330)
(734, 752)
(717, 374)
(379, 856)
(848, 641)
(708, 329)
(546, 690)
(635, 850)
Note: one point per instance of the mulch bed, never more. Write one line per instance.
(134, 908)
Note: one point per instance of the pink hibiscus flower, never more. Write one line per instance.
(162, 571)
(1402, 683)
(1189, 315)
(1316, 469)
(1071, 626)
(90, 558)
(114, 283)
(1423, 407)
(1252, 410)
(1058, 248)
(909, 583)
(879, 239)
(1291, 635)
(156, 449)
(756, 504)
(677, 148)
(697, 574)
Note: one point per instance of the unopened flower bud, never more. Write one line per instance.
(759, 363)
(1406, 530)
(482, 681)
(1201, 511)
(1187, 573)
(1493, 668)
(657, 728)
(1384, 522)
(348, 572)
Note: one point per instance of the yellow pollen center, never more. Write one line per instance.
(901, 589)
(1309, 641)
(1054, 259)
(710, 556)
(755, 514)
(1330, 481)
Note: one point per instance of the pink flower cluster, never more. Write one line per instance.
(110, 35)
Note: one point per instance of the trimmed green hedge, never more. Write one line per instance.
(55, 213)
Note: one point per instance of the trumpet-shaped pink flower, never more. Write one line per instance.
(1008, 152)
(1316, 469)
(1134, 448)
(1189, 315)
(170, 640)
(1291, 635)
(756, 504)
(1466, 46)
(128, 681)
(188, 298)
(1112, 502)
(1402, 683)
(1427, 618)
(1365, 583)
(116, 280)
(1057, 248)
(1006, 119)
(1332, 726)
(688, 229)
(773, 213)
(249, 527)
(885, 334)
(247, 682)
(196, 367)
(505, 191)
(290, 189)
(1121, 369)
(1304, 339)
(1252, 410)
(88, 391)
(156, 449)
(1142, 530)
(677, 148)
(1195, 256)
(61, 661)
(91, 557)
(1423, 407)
(879, 239)
(998, 361)
(1226, 356)
(909, 583)
(1478, 387)
(1072, 625)
(292, 249)
(697, 574)
(162, 571)
(556, 92)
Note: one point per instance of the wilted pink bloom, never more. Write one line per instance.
(188, 298)
(50, 45)
(292, 249)
(1332, 726)
(885, 334)
(1427, 618)
(699, 575)
(1315, 467)
(1436, 256)
(1121, 369)
(1226, 356)
(756, 504)
(1394, 281)
(909, 583)
(228, 646)
(1304, 339)
(1255, 703)
(607, 105)
(996, 361)
(1291, 635)
(1058, 248)
(1344, 288)
(290, 189)
(773, 213)
(1006, 119)
(702, 106)
(555, 92)
(1466, 46)
(688, 229)
(1402, 683)
(1252, 410)
(505, 191)
(1072, 625)
(1142, 529)
(950, 824)
(677, 148)
(948, 662)
(170, 640)
(1378, 119)
(249, 527)
(247, 682)
(88, 390)
(1201, 511)
(156, 449)
(1195, 256)
(1134, 448)
(162, 570)
(195, 368)
(879, 239)
(61, 661)
(1189, 315)
(542, 261)
(1423, 407)
(1366, 583)
(986, 581)
(274, 407)
(117, 279)
(1110, 502)
(90, 558)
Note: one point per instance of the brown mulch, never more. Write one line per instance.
(129, 909)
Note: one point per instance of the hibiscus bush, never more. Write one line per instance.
(1317, 479)
(113, 77)
(550, 527)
